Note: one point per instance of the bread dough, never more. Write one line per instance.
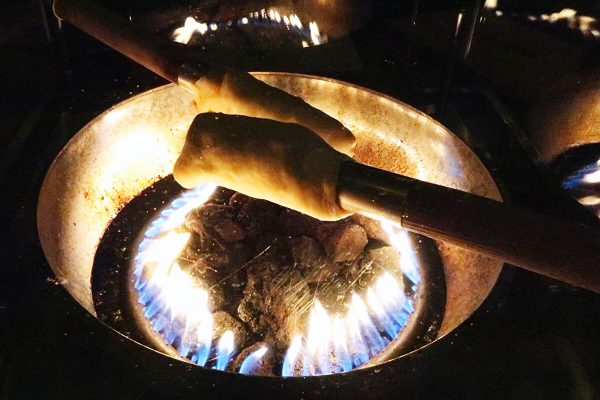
(280, 162)
(235, 92)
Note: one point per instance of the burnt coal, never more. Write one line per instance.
(342, 241)
(255, 216)
(229, 231)
(294, 223)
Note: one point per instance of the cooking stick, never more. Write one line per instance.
(118, 33)
(549, 246)
(546, 245)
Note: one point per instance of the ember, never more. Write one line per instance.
(240, 284)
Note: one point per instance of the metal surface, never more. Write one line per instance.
(566, 115)
(136, 143)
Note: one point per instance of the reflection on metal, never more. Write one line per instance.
(472, 29)
(270, 18)
(590, 200)
(459, 19)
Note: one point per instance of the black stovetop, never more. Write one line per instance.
(532, 338)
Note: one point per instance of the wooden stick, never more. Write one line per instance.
(549, 246)
(118, 33)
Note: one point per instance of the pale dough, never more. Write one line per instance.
(235, 92)
(280, 162)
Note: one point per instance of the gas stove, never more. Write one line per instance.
(532, 337)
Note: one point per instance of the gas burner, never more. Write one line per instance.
(323, 336)
(584, 184)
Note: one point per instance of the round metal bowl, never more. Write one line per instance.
(135, 144)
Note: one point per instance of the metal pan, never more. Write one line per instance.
(136, 143)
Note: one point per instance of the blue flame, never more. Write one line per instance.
(585, 186)
(367, 328)
(190, 336)
(400, 240)
(359, 352)
(291, 356)
(201, 355)
(343, 357)
(225, 349)
(270, 18)
(252, 362)
(177, 310)
(374, 340)
(578, 178)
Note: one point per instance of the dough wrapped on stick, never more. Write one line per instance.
(280, 162)
(236, 92)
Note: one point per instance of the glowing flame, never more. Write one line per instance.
(251, 363)
(400, 240)
(315, 35)
(588, 175)
(585, 24)
(490, 4)
(184, 34)
(178, 310)
(271, 17)
(226, 347)
(291, 356)
(177, 306)
(564, 14)
(341, 343)
(590, 200)
(593, 176)
(162, 252)
(317, 358)
(585, 181)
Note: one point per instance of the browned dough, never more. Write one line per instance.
(236, 92)
(280, 162)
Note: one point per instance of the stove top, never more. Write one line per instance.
(532, 338)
